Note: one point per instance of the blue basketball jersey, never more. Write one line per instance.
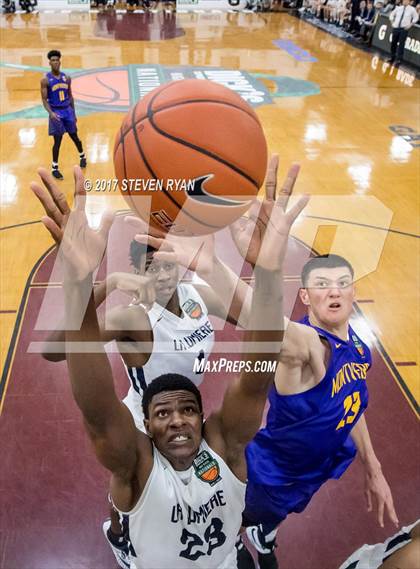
(307, 434)
(58, 91)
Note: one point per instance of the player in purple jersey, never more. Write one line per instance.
(315, 424)
(58, 101)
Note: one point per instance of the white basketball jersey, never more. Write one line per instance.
(179, 344)
(189, 520)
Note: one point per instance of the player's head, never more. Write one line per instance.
(54, 57)
(163, 273)
(173, 413)
(328, 289)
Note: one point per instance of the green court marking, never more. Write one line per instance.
(258, 82)
(290, 87)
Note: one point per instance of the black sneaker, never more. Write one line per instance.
(121, 550)
(243, 557)
(266, 554)
(83, 163)
(57, 174)
(267, 561)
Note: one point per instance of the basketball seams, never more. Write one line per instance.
(173, 105)
(213, 101)
(165, 191)
(201, 150)
(136, 122)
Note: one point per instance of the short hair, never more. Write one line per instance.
(137, 250)
(324, 261)
(54, 53)
(169, 382)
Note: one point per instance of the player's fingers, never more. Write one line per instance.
(106, 221)
(50, 207)
(55, 231)
(79, 189)
(150, 294)
(57, 195)
(368, 496)
(391, 511)
(136, 222)
(381, 508)
(142, 226)
(166, 256)
(288, 185)
(271, 177)
(297, 208)
(155, 242)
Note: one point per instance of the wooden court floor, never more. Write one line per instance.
(346, 117)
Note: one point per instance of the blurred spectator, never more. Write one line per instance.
(366, 23)
(361, 14)
(387, 7)
(28, 5)
(402, 18)
(9, 6)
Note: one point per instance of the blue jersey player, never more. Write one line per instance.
(58, 102)
(315, 424)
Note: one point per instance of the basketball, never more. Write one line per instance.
(197, 151)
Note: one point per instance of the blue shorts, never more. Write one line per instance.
(270, 505)
(67, 122)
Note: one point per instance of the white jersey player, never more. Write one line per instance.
(176, 326)
(177, 440)
(170, 330)
(179, 342)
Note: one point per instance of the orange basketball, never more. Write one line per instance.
(190, 157)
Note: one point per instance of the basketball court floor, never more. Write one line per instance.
(353, 124)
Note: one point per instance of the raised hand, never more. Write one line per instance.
(378, 494)
(80, 247)
(140, 288)
(262, 236)
(194, 253)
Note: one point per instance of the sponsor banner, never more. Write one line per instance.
(222, 5)
(383, 35)
(79, 5)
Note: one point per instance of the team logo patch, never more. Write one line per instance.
(206, 468)
(358, 345)
(193, 309)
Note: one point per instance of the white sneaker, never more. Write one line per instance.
(121, 552)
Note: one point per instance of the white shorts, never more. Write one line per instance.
(372, 556)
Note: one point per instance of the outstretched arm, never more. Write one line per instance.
(139, 288)
(118, 445)
(377, 491)
(240, 416)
